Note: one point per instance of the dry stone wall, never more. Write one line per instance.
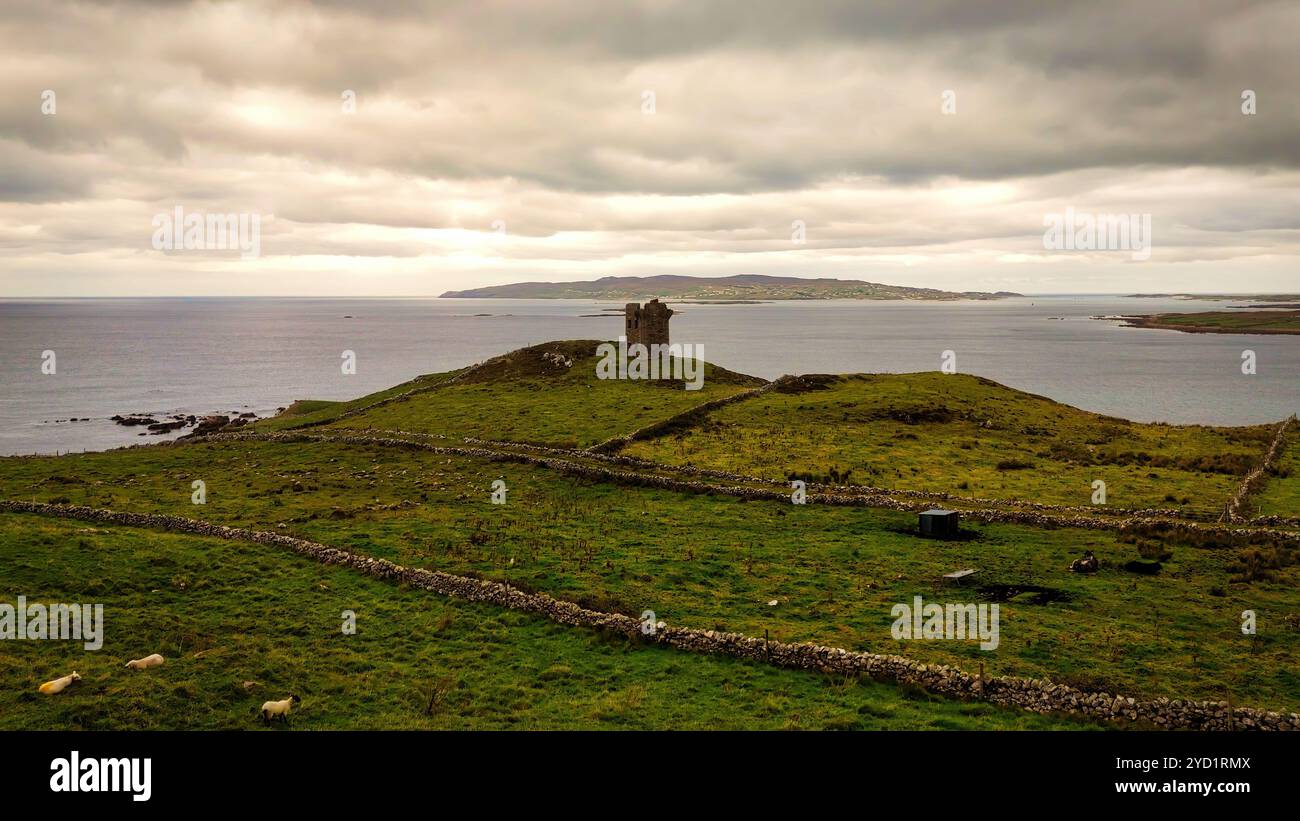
(870, 490)
(685, 417)
(1036, 695)
(1032, 518)
(1255, 480)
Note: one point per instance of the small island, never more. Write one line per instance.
(1258, 299)
(1219, 322)
(742, 289)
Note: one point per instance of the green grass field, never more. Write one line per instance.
(716, 561)
(1281, 494)
(224, 613)
(967, 436)
(698, 560)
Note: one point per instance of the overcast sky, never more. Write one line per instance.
(500, 142)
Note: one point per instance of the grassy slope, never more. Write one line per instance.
(713, 561)
(273, 618)
(876, 426)
(313, 412)
(1281, 495)
(525, 398)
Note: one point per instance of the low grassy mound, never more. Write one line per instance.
(964, 435)
(545, 394)
(242, 623)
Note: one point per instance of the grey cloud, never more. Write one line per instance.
(530, 113)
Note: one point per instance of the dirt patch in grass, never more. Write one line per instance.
(1023, 593)
(963, 534)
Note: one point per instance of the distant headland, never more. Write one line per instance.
(1222, 297)
(740, 287)
(1218, 322)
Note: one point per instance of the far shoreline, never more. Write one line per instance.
(1169, 322)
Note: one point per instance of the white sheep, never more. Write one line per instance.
(145, 663)
(271, 709)
(59, 684)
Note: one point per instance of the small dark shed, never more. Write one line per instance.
(939, 524)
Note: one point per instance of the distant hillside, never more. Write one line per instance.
(744, 286)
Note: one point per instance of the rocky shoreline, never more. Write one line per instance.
(158, 424)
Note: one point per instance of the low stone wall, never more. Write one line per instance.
(1031, 518)
(1036, 695)
(657, 428)
(1257, 477)
(1289, 522)
(860, 490)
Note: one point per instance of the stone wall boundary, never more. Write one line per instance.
(1258, 476)
(632, 479)
(1035, 695)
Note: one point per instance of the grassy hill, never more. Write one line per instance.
(706, 558)
(544, 394)
(965, 435)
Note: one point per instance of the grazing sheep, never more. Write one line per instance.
(59, 684)
(145, 663)
(271, 709)
(1088, 564)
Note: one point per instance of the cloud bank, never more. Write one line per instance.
(425, 147)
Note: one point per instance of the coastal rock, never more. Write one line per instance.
(209, 424)
(132, 421)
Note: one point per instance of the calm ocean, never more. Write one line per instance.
(163, 356)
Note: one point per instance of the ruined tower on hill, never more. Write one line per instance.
(646, 324)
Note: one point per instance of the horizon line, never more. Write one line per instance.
(598, 299)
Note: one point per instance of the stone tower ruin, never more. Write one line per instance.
(647, 325)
